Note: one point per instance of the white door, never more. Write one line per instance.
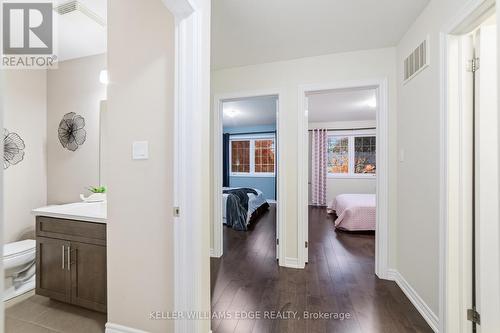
(465, 181)
(486, 180)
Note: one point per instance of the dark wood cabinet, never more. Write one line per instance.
(71, 262)
(88, 284)
(52, 278)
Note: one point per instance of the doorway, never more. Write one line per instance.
(379, 129)
(247, 151)
(247, 171)
(343, 169)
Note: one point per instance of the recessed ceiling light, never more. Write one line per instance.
(103, 77)
(372, 102)
(231, 112)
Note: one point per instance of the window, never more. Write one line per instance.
(264, 156)
(253, 157)
(364, 155)
(338, 154)
(240, 156)
(352, 155)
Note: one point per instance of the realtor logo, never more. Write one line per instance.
(28, 31)
(27, 28)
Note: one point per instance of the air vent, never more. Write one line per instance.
(417, 61)
(77, 6)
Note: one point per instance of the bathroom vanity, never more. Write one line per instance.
(71, 254)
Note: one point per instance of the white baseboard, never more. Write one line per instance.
(115, 328)
(390, 275)
(387, 275)
(213, 254)
(426, 312)
(292, 263)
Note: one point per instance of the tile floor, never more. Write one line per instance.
(39, 314)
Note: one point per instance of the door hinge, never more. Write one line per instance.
(277, 241)
(307, 244)
(474, 316)
(473, 65)
(177, 211)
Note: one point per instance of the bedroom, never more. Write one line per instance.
(342, 180)
(342, 157)
(247, 190)
(248, 165)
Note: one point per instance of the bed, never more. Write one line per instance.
(355, 212)
(240, 216)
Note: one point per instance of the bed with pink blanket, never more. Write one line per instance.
(355, 212)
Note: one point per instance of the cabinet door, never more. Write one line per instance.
(53, 277)
(88, 276)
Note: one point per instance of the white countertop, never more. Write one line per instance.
(81, 211)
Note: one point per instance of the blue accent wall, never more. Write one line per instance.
(266, 184)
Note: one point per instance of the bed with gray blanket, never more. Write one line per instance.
(242, 206)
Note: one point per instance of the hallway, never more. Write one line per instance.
(338, 279)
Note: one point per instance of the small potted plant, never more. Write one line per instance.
(98, 194)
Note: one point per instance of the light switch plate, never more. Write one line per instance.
(140, 150)
(401, 155)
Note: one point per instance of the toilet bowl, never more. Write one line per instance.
(19, 265)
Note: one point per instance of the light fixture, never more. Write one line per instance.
(103, 77)
(372, 102)
(231, 112)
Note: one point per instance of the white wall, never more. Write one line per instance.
(419, 175)
(286, 76)
(140, 199)
(74, 87)
(25, 184)
(336, 186)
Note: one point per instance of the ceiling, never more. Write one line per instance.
(342, 105)
(77, 34)
(258, 31)
(255, 111)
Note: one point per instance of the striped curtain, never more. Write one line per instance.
(319, 167)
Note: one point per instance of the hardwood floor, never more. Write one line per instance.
(339, 278)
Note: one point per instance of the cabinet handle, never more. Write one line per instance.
(62, 263)
(68, 262)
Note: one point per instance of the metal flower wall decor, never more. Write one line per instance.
(13, 148)
(71, 131)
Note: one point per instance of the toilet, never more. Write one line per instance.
(19, 260)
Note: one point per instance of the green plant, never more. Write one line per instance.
(97, 189)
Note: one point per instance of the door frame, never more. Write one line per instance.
(453, 238)
(382, 234)
(191, 240)
(217, 131)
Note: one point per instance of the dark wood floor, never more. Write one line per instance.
(339, 278)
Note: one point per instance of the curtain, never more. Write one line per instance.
(225, 160)
(319, 167)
